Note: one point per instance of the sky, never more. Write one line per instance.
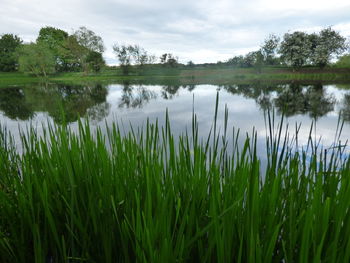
(203, 31)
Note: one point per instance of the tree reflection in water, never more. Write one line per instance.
(135, 96)
(64, 103)
(168, 92)
(346, 108)
(14, 104)
(289, 99)
(312, 100)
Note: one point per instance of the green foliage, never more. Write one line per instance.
(73, 54)
(8, 45)
(295, 49)
(236, 61)
(151, 197)
(269, 49)
(83, 50)
(124, 56)
(169, 59)
(252, 59)
(328, 44)
(54, 39)
(89, 40)
(190, 64)
(343, 61)
(140, 55)
(36, 59)
(95, 61)
(299, 48)
(128, 55)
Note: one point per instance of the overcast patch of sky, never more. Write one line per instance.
(202, 30)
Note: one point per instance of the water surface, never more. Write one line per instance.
(134, 104)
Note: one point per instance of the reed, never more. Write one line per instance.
(150, 196)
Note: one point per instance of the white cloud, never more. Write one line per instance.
(202, 31)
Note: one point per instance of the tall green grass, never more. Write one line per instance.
(149, 196)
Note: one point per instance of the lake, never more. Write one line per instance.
(247, 106)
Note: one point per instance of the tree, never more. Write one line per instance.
(8, 45)
(163, 58)
(83, 42)
(269, 49)
(169, 59)
(132, 54)
(95, 61)
(73, 54)
(54, 39)
(36, 59)
(236, 61)
(295, 49)
(124, 55)
(152, 59)
(258, 60)
(190, 64)
(14, 104)
(344, 61)
(89, 40)
(325, 46)
(139, 55)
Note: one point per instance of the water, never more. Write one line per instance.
(134, 104)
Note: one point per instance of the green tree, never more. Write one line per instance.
(252, 59)
(236, 61)
(190, 64)
(95, 61)
(259, 61)
(343, 61)
(89, 40)
(8, 45)
(82, 44)
(169, 59)
(139, 55)
(295, 49)
(73, 54)
(124, 55)
(326, 45)
(269, 49)
(132, 55)
(54, 39)
(36, 59)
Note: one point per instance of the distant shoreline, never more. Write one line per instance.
(187, 76)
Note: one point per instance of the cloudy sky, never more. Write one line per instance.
(197, 30)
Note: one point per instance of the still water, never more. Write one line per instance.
(134, 104)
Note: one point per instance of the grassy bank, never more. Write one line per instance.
(150, 197)
(185, 76)
(10, 79)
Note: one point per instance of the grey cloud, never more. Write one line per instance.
(220, 28)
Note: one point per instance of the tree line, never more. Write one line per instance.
(55, 50)
(296, 49)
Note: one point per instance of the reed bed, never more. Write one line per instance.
(148, 196)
